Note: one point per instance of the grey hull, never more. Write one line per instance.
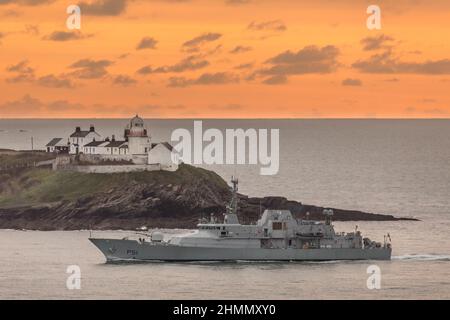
(129, 250)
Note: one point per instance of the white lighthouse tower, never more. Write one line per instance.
(139, 142)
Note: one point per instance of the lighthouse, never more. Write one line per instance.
(139, 141)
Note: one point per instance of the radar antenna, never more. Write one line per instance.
(328, 213)
(232, 207)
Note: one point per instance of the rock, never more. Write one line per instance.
(128, 201)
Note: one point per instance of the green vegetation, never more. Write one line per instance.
(19, 158)
(37, 186)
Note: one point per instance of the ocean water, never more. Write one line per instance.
(399, 167)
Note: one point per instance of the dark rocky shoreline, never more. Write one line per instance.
(41, 199)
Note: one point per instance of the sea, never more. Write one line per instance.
(398, 167)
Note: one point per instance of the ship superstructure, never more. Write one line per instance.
(275, 236)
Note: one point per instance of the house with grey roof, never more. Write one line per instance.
(135, 147)
(107, 147)
(58, 145)
(80, 138)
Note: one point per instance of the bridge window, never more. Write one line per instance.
(277, 226)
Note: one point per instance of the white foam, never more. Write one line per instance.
(423, 257)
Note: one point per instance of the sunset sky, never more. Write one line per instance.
(225, 59)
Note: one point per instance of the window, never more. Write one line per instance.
(277, 226)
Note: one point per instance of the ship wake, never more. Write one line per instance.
(422, 257)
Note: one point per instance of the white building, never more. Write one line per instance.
(162, 155)
(58, 145)
(107, 147)
(135, 147)
(95, 147)
(80, 138)
(139, 142)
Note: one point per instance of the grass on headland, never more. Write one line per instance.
(10, 158)
(37, 186)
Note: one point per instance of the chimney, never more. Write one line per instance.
(113, 138)
(107, 139)
(77, 129)
(92, 128)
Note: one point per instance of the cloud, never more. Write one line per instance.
(211, 52)
(26, 105)
(352, 82)
(10, 12)
(26, 2)
(273, 25)
(392, 80)
(123, 80)
(277, 79)
(64, 106)
(237, 2)
(410, 110)
(51, 81)
(427, 100)
(218, 78)
(227, 107)
(387, 63)
(437, 112)
(188, 63)
(248, 65)
(310, 59)
(90, 69)
(22, 72)
(32, 29)
(376, 42)
(123, 56)
(240, 49)
(66, 36)
(147, 43)
(193, 44)
(21, 67)
(103, 7)
(176, 107)
(323, 58)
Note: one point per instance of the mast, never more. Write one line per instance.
(232, 207)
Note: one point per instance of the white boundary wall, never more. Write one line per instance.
(112, 168)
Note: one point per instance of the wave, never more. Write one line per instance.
(422, 257)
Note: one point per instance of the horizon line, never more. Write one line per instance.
(213, 118)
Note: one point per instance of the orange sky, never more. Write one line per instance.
(247, 59)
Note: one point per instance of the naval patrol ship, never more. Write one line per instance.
(276, 236)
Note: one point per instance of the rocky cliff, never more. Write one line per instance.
(42, 199)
